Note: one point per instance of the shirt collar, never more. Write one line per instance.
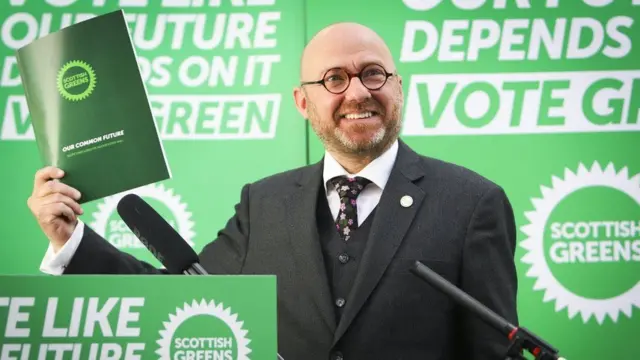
(377, 171)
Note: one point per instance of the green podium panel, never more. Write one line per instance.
(138, 317)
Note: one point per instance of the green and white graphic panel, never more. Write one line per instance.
(219, 75)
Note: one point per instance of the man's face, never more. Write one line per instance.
(358, 120)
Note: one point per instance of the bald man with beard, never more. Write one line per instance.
(342, 234)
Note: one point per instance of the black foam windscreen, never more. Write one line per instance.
(162, 240)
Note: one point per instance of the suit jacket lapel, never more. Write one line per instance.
(391, 222)
(305, 241)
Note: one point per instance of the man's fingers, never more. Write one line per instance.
(55, 210)
(52, 187)
(60, 198)
(45, 174)
(67, 212)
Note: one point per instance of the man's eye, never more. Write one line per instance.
(334, 78)
(373, 72)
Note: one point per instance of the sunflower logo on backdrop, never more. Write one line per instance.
(583, 242)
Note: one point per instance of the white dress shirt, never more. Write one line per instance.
(377, 172)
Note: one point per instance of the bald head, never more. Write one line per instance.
(345, 45)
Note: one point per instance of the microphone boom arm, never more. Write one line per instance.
(520, 337)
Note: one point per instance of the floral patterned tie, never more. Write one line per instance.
(348, 189)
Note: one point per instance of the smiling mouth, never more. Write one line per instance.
(362, 115)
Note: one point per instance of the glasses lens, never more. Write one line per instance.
(336, 80)
(373, 77)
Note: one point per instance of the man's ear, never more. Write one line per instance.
(300, 99)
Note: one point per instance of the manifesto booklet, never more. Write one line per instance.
(89, 107)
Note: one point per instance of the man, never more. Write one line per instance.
(342, 245)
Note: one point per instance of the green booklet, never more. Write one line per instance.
(89, 107)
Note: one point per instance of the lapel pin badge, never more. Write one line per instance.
(406, 201)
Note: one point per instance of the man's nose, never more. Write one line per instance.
(356, 90)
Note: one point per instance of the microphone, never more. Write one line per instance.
(162, 240)
(520, 337)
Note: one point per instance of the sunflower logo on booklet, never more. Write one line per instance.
(76, 80)
(203, 330)
(169, 205)
(583, 242)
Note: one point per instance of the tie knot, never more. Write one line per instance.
(349, 187)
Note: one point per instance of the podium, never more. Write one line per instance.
(168, 317)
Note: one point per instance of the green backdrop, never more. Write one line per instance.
(542, 96)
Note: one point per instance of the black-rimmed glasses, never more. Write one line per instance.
(337, 80)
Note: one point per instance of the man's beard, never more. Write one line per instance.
(335, 138)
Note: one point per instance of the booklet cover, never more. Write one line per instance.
(89, 107)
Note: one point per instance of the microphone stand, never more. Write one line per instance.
(195, 269)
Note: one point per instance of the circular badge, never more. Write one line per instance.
(76, 80)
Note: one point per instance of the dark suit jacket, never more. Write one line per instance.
(460, 224)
